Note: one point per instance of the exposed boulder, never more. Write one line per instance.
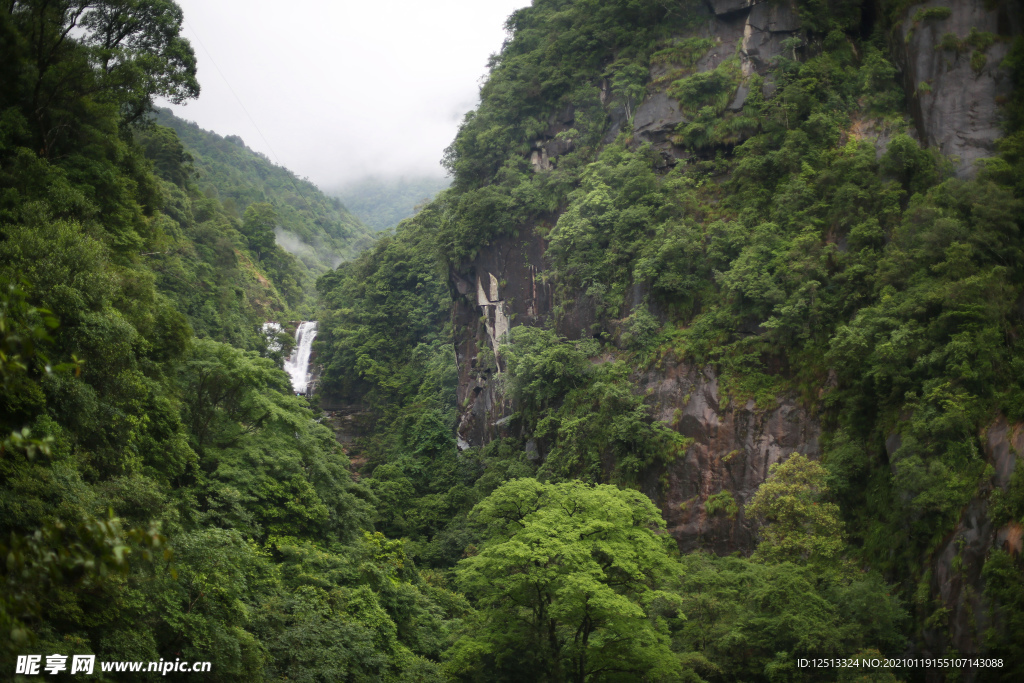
(657, 117)
(767, 26)
(951, 61)
(774, 16)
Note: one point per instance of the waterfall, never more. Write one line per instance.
(297, 364)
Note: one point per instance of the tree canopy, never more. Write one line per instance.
(569, 579)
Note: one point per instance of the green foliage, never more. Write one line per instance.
(723, 501)
(587, 419)
(784, 250)
(684, 52)
(776, 613)
(567, 582)
(797, 525)
(949, 41)
(628, 80)
(385, 346)
(980, 40)
(820, 17)
(121, 420)
(924, 14)
(557, 52)
(602, 230)
(711, 89)
(639, 328)
(265, 526)
(1004, 585)
(76, 58)
(978, 61)
(383, 203)
(938, 285)
(316, 229)
(380, 308)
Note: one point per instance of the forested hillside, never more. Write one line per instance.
(162, 492)
(708, 361)
(316, 229)
(384, 202)
(756, 260)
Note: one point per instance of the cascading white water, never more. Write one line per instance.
(297, 364)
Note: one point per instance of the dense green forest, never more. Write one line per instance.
(786, 252)
(385, 202)
(164, 495)
(318, 230)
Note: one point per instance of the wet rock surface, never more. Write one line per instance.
(733, 448)
(956, 565)
(953, 85)
(758, 28)
(500, 288)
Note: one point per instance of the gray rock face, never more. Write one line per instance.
(502, 286)
(733, 447)
(957, 582)
(953, 101)
(758, 27)
(740, 98)
(767, 25)
(657, 117)
(774, 17)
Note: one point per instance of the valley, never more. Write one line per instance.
(703, 361)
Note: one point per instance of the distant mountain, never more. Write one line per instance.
(384, 202)
(317, 229)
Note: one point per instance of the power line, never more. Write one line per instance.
(277, 160)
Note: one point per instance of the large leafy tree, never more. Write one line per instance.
(798, 525)
(258, 227)
(567, 585)
(68, 56)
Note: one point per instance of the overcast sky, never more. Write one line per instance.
(342, 89)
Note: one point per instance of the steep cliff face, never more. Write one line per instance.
(502, 287)
(753, 30)
(733, 447)
(956, 583)
(507, 284)
(951, 56)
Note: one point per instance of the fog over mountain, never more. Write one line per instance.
(337, 91)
